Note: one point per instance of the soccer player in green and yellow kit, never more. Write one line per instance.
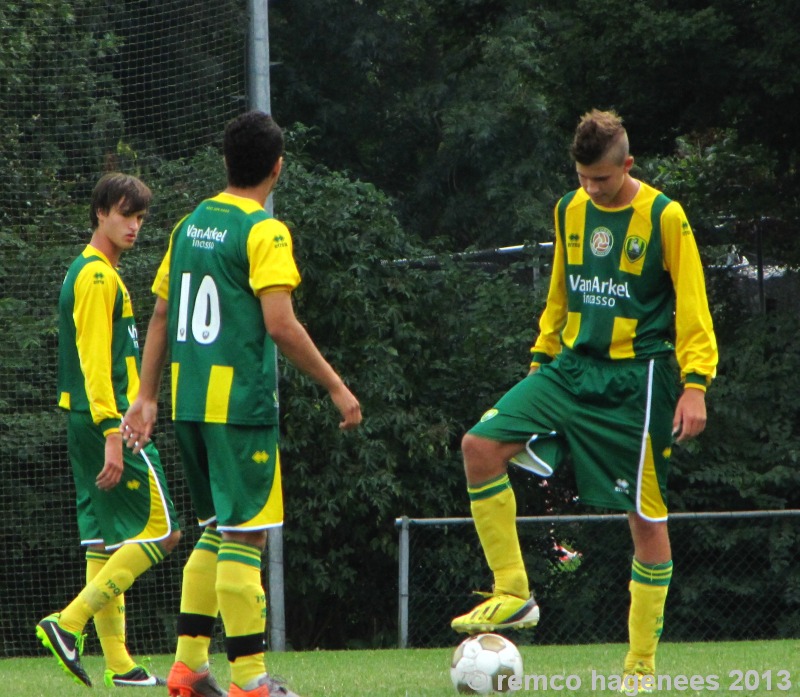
(627, 296)
(125, 515)
(223, 305)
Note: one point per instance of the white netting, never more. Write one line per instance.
(87, 86)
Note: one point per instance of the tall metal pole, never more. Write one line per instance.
(258, 69)
(402, 600)
(259, 94)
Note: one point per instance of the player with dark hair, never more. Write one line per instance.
(627, 296)
(224, 302)
(125, 516)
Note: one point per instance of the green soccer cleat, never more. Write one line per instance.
(498, 612)
(138, 676)
(66, 646)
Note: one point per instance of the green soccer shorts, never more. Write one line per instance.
(613, 418)
(138, 509)
(233, 473)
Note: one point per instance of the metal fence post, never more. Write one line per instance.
(277, 614)
(402, 617)
(259, 89)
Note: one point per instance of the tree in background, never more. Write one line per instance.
(460, 109)
(427, 127)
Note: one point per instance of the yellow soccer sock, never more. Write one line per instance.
(116, 576)
(494, 510)
(199, 606)
(243, 606)
(109, 622)
(648, 587)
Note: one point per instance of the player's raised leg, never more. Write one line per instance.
(494, 510)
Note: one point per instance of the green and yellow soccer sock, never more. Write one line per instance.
(494, 510)
(109, 622)
(649, 585)
(243, 606)
(199, 605)
(117, 575)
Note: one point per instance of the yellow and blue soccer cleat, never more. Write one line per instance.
(498, 612)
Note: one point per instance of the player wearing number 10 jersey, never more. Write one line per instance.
(220, 259)
(223, 307)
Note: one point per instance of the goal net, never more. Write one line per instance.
(86, 87)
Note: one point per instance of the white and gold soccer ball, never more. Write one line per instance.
(485, 663)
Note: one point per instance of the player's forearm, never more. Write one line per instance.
(295, 343)
(154, 356)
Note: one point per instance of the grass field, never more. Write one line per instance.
(740, 668)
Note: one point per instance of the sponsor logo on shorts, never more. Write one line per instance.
(133, 484)
(622, 487)
(489, 415)
(260, 456)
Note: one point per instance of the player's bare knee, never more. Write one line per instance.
(256, 538)
(650, 539)
(171, 542)
(483, 458)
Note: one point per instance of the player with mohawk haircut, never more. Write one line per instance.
(626, 299)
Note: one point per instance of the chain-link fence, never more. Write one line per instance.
(736, 576)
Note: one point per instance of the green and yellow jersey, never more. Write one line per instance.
(98, 345)
(628, 283)
(221, 258)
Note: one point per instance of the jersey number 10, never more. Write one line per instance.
(205, 312)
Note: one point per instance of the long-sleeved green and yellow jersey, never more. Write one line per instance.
(98, 345)
(628, 283)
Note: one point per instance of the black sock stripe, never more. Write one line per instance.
(190, 624)
(245, 645)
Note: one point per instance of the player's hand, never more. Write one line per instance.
(348, 407)
(138, 423)
(690, 414)
(111, 473)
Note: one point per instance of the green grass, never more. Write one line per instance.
(425, 672)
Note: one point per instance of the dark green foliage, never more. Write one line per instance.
(424, 352)
(748, 455)
(437, 127)
(441, 104)
(462, 109)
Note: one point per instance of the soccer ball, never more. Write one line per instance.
(484, 663)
